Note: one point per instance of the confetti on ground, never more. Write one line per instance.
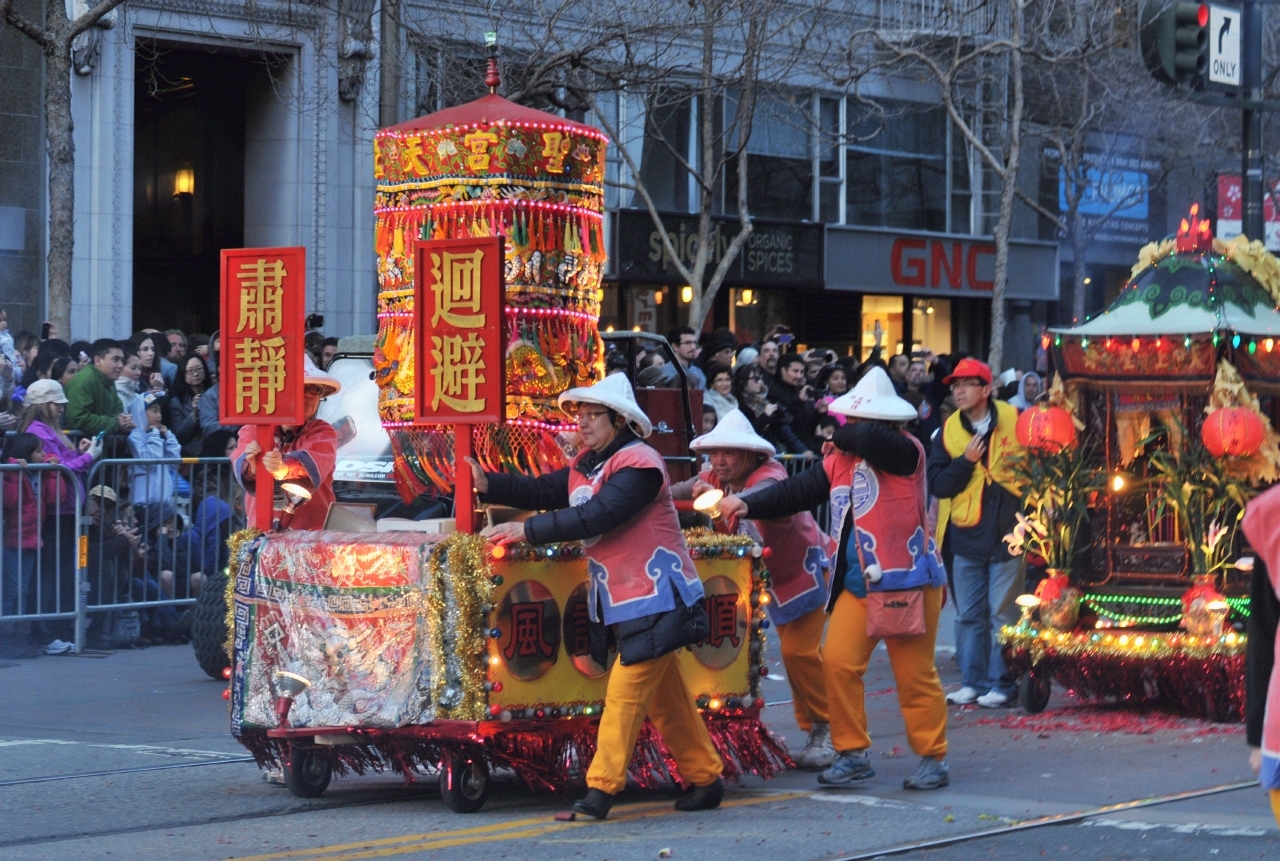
(1104, 720)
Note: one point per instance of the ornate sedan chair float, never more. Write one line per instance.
(1139, 520)
(421, 651)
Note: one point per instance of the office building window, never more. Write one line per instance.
(896, 166)
(779, 163)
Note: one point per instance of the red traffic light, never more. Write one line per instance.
(1202, 15)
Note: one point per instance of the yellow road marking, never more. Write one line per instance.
(516, 829)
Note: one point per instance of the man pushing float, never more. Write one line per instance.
(741, 462)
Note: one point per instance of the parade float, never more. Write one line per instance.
(434, 650)
(1138, 467)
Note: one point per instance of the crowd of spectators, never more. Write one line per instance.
(785, 393)
(156, 530)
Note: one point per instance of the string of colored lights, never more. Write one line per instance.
(1136, 344)
(1239, 606)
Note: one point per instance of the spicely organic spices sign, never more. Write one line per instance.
(777, 253)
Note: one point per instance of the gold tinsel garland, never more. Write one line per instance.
(238, 543)
(1251, 256)
(700, 537)
(1136, 644)
(460, 586)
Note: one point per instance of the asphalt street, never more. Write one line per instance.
(130, 756)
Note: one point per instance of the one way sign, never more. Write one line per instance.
(1224, 46)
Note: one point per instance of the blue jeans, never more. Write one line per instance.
(985, 593)
(18, 567)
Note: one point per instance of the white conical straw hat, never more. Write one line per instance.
(733, 431)
(313, 376)
(614, 392)
(874, 398)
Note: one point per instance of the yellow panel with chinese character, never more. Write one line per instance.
(540, 654)
(721, 666)
(533, 664)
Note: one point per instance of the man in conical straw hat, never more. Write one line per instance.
(742, 463)
(873, 476)
(616, 497)
(307, 450)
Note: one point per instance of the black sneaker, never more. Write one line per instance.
(595, 803)
(702, 797)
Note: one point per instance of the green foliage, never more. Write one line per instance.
(1207, 500)
(1057, 489)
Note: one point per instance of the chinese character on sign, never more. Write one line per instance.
(580, 643)
(722, 611)
(478, 143)
(261, 296)
(527, 638)
(259, 374)
(556, 148)
(457, 288)
(460, 331)
(459, 369)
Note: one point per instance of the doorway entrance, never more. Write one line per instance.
(189, 176)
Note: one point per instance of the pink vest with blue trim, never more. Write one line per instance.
(800, 553)
(634, 568)
(890, 513)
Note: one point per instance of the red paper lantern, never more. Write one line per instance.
(1046, 428)
(1232, 432)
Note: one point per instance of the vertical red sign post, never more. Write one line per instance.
(459, 333)
(260, 374)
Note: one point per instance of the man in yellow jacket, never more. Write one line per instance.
(970, 472)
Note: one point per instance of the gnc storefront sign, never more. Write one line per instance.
(942, 265)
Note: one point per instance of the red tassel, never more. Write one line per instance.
(548, 755)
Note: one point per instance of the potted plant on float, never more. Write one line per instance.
(1207, 498)
(1058, 487)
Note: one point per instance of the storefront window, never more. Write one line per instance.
(896, 163)
(931, 325)
(881, 314)
(752, 312)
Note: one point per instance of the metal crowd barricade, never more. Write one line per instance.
(797, 463)
(147, 532)
(38, 562)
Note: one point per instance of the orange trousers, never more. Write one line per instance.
(1275, 805)
(844, 662)
(656, 689)
(801, 642)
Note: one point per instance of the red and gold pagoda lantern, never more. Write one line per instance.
(492, 167)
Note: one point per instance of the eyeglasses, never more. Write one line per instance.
(590, 417)
(197, 372)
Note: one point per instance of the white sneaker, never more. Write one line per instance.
(962, 697)
(59, 647)
(993, 700)
(818, 752)
(274, 776)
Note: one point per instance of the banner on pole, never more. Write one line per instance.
(459, 331)
(261, 346)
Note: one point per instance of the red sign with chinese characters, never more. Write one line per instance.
(261, 347)
(459, 330)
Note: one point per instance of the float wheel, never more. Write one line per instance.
(1033, 691)
(464, 782)
(307, 773)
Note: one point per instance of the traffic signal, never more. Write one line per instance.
(1175, 41)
